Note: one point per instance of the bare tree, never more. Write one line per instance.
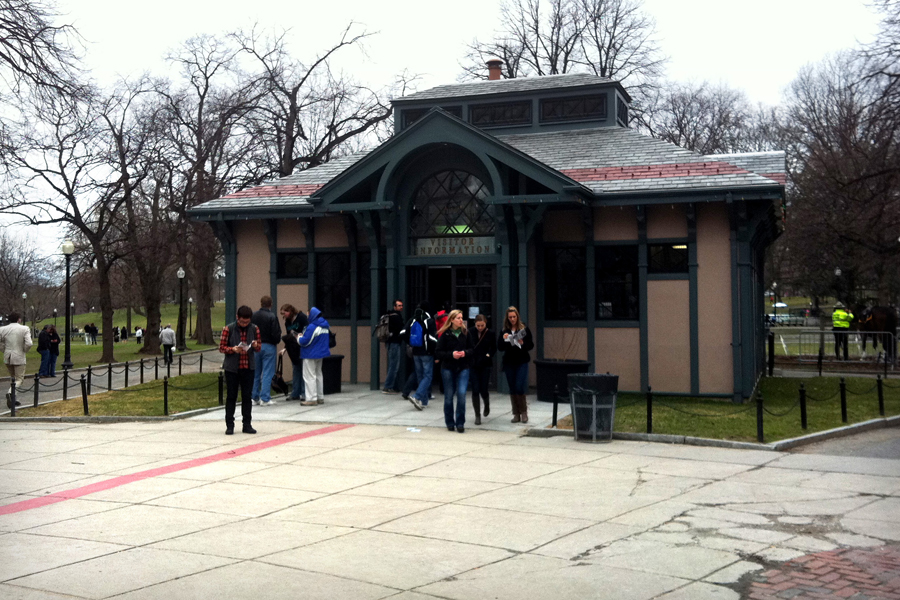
(18, 259)
(610, 38)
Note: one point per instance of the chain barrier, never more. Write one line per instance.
(869, 391)
(885, 384)
(177, 387)
(143, 389)
(814, 399)
(781, 414)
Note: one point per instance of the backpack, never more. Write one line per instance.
(332, 339)
(383, 329)
(416, 335)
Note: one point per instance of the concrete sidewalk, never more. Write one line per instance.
(179, 510)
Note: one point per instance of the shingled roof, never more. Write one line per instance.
(505, 86)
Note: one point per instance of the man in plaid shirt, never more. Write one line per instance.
(239, 343)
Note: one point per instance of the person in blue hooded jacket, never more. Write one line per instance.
(313, 348)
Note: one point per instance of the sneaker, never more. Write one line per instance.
(248, 429)
(386, 391)
(461, 429)
(267, 403)
(405, 396)
(257, 402)
(305, 403)
(415, 402)
(431, 396)
(229, 430)
(320, 401)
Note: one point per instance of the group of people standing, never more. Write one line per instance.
(250, 346)
(464, 357)
(48, 348)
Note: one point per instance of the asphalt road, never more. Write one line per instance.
(881, 443)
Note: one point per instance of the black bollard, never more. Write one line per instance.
(820, 361)
(759, 418)
(201, 362)
(221, 388)
(12, 398)
(156, 368)
(880, 396)
(771, 338)
(803, 406)
(90, 375)
(109, 378)
(556, 404)
(37, 386)
(649, 409)
(843, 400)
(142, 370)
(166, 396)
(179, 365)
(126, 373)
(168, 369)
(65, 384)
(84, 396)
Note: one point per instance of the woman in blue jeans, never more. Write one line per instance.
(454, 350)
(516, 342)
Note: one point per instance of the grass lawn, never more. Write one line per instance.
(82, 355)
(169, 314)
(138, 401)
(738, 422)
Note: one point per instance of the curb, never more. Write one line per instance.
(780, 446)
(107, 419)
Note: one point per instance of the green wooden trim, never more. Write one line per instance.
(225, 232)
(642, 295)
(292, 281)
(308, 226)
(652, 197)
(504, 282)
(350, 227)
(669, 276)
(694, 299)
(540, 296)
(423, 261)
(370, 223)
(270, 227)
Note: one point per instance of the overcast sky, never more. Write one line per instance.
(755, 45)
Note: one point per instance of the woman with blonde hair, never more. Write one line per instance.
(515, 342)
(454, 350)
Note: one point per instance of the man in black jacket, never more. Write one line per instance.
(422, 336)
(393, 344)
(270, 336)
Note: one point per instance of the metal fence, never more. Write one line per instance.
(812, 346)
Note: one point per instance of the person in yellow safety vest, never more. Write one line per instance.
(840, 326)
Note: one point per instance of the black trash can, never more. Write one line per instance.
(331, 373)
(593, 399)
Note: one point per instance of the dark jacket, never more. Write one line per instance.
(395, 326)
(54, 343)
(294, 328)
(314, 341)
(484, 347)
(512, 356)
(232, 362)
(447, 345)
(269, 328)
(430, 333)
(43, 341)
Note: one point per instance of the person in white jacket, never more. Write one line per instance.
(15, 341)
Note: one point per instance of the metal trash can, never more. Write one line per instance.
(593, 399)
(331, 373)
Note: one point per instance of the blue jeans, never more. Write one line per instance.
(424, 365)
(298, 388)
(517, 378)
(45, 363)
(263, 373)
(393, 352)
(53, 358)
(455, 384)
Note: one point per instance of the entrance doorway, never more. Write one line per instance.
(471, 289)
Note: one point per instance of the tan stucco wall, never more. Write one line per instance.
(330, 233)
(565, 343)
(563, 226)
(615, 224)
(714, 291)
(618, 351)
(363, 354)
(296, 294)
(290, 235)
(668, 326)
(666, 221)
(252, 263)
(343, 347)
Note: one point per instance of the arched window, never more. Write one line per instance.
(450, 203)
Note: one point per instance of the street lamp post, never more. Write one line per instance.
(24, 307)
(68, 248)
(33, 332)
(180, 274)
(54, 318)
(775, 304)
(190, 317)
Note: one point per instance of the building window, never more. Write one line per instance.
(577, 108)
(333, 284)
(616, 270)
(364, 285)
(622, 112)
(565, 284)
(668, 258)
(497, 115)
(292, 265)
(450, 203)
(411, 115)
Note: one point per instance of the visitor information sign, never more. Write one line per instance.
(454, 246)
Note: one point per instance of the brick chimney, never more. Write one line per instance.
(495, 66)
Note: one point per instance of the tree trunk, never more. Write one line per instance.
(204, 252)
(106, 307)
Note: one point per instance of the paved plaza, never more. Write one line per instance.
(177, 509)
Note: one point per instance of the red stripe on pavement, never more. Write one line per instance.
(125, 479)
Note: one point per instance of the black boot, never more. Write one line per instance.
(477, 406)
(487, 406)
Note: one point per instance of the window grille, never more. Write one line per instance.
(500, 114)
(411, 115)
(616, 269)
(668, 258)
(575, 108)
(565, 284)
(451, 203)
(622, 112)
(292, 265)
(333, 284)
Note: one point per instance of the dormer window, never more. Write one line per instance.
(575, 108)
(621, 112)
(500, 114)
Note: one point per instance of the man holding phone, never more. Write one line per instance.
(239, 343)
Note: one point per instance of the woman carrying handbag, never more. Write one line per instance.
(484, 346)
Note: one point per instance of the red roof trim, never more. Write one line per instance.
(779, 177)
(654, 171)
